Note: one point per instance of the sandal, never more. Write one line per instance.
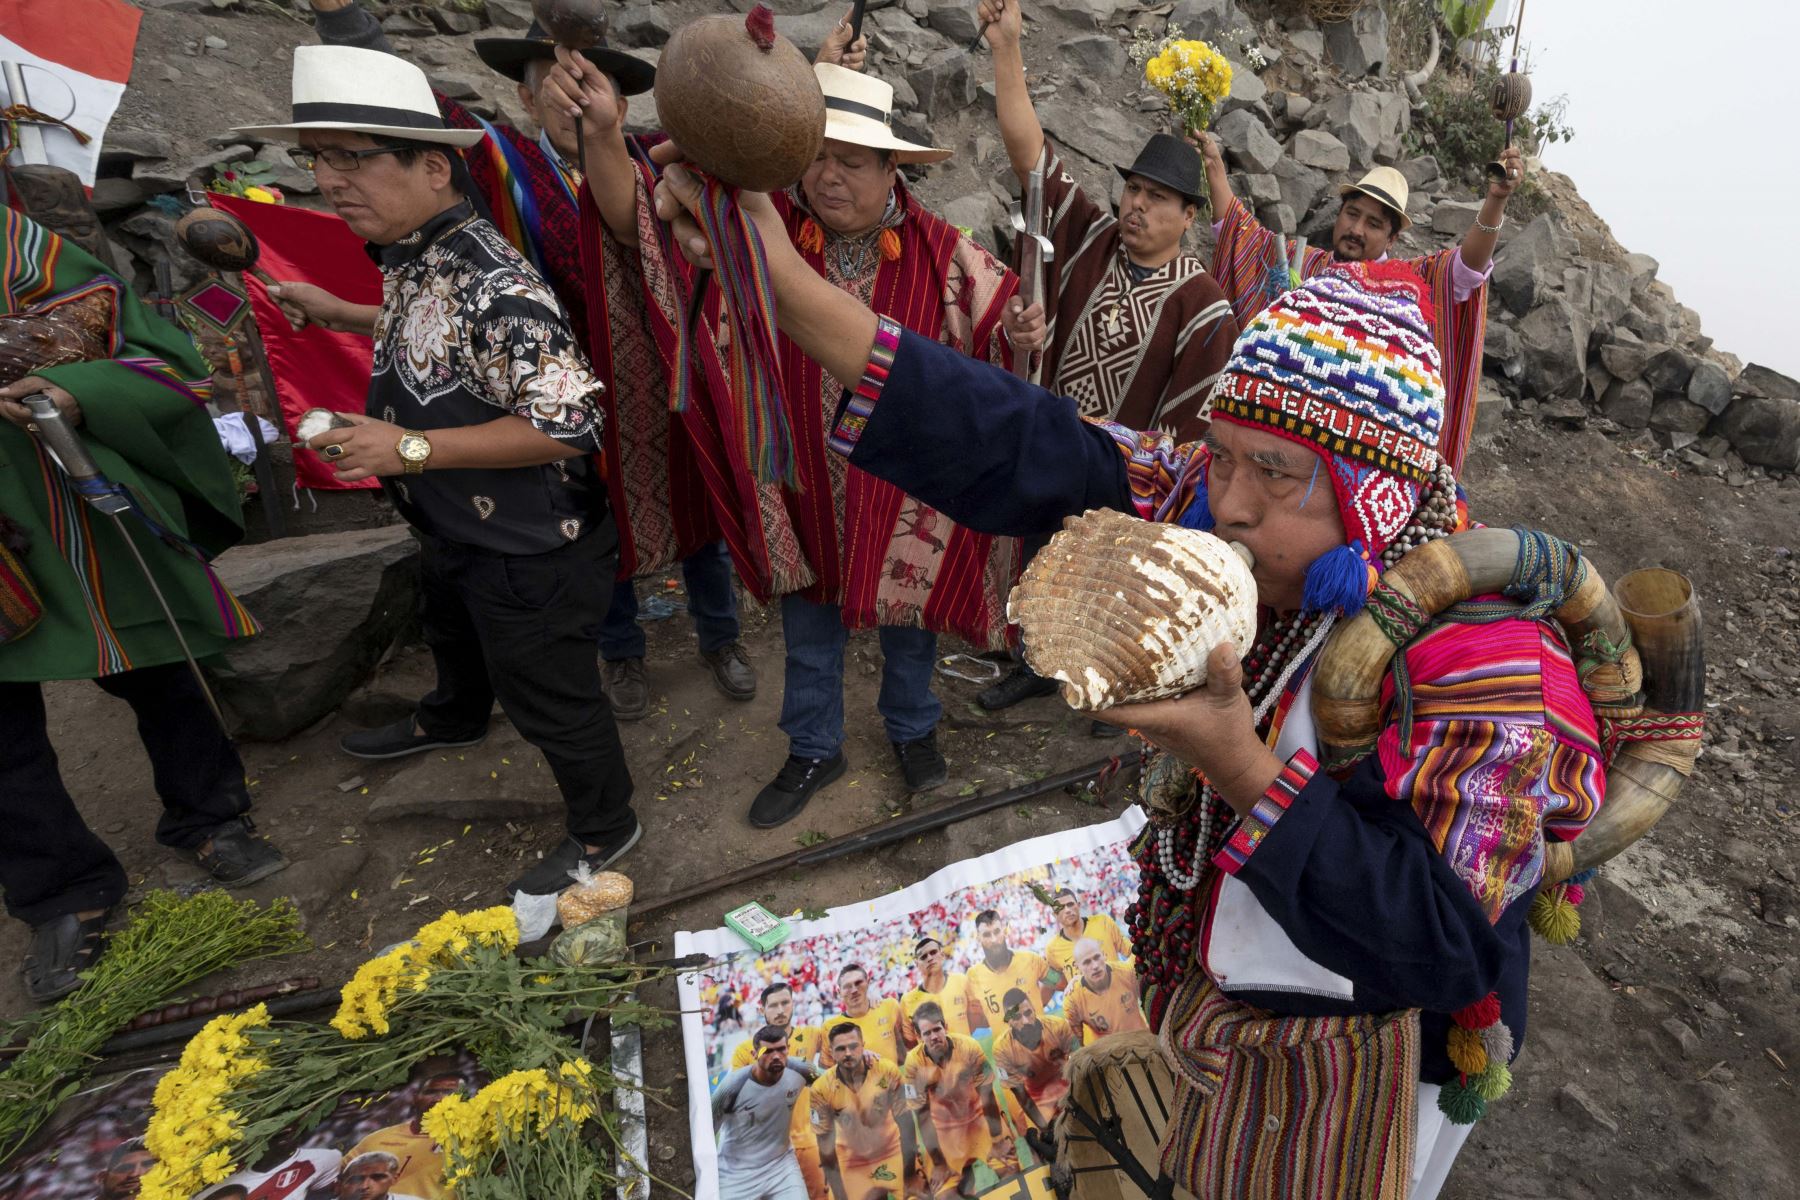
(61, 949)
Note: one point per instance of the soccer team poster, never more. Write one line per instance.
(917, 1034)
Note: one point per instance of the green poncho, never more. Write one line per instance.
(144, 418)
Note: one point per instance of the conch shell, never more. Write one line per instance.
(1122, 610)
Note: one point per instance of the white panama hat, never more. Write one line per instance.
(362, 91)
(859, 109)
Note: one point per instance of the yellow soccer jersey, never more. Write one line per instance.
(421, 1162)
(880, 1030)
(862, 1119)
(1039, 1071)
(804, 1042)
(989, 987)
(1060, 950)
(953, 1089)
(954, 1000)
(1116, 1010)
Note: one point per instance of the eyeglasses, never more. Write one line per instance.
(336, 158)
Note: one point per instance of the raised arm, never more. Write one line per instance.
(1019, 127)
(1218, 183)
(586, 92)
(1478, 244)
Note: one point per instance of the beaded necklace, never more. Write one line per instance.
(1175, 857)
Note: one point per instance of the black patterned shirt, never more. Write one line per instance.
(469, 332)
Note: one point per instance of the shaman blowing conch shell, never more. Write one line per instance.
(1121, 610)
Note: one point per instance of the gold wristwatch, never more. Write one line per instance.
(414, 448)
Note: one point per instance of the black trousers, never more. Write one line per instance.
(524, 629)
(51, 863)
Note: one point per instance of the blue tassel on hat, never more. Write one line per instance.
(1341, 579)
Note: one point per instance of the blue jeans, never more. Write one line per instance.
(712, 603)
(812, 695)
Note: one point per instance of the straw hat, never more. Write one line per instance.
(362, 91)
(1386, 185)
(859, 109)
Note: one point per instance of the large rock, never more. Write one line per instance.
(809, 30)
(1673, 414)
(331, 605)
(980, 213)
(1208, 20)
(1087, 13)
(1553, 339)
(1100, 132)
(135, 145)
(1670, 371)
(1247, 91)
(1301, 186)
(1628, 402)
(1764, 430)
(957, 22)
(1317, 149)
(1248, 144)
(1257, 189)
(1758, 380)
(1096, 55)
(643, 25)
(1642, 269)
(1524, 267)
(945, 85)
(1626, 355)
(1611, 294)
(1359, 46)
(1709, 387)
(1455, 217)
(1365, 121)
(1420, 173)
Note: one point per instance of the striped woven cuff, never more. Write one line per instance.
(1254, 825)
(853, 417)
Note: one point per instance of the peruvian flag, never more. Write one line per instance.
(74, 57)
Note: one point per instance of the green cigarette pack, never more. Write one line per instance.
(758, 926)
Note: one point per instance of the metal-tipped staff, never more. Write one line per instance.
(70, 453)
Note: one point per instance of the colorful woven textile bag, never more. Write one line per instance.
(20, 605)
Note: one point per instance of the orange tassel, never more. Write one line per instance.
(890, 245)
(812, 238)
(1467, 1054)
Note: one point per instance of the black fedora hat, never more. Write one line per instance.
(1168, 160)
(509, 56)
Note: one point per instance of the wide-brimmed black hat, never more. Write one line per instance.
(509, 56)
(1168, 160)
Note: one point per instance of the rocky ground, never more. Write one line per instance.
(1663, 1045)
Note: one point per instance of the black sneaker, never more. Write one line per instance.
(237, 857)
(921, 764)
(552, 873)
(1021, 684)
(398, 740)
(798, 780)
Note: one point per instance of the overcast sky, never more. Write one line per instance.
(1685, 144)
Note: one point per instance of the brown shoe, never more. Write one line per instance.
(732, 671)
(627, 688)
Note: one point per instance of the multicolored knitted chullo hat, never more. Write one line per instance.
(1345, 363)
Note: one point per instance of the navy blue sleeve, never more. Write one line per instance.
(992, 452)
(1352, 877)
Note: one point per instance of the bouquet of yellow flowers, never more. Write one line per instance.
(1195, 78)
(243, 1079)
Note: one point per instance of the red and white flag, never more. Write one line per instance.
(74, 57)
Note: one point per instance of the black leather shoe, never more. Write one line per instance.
(398, 740)
(732, 671)
(553, 872)
(237, 857)
(921, 764)
(60, 950)
(799, 779)
(626, 688)
(1021, 684)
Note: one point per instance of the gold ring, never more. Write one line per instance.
(334, 450)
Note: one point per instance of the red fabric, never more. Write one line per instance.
(313, 368)
(911, 291)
